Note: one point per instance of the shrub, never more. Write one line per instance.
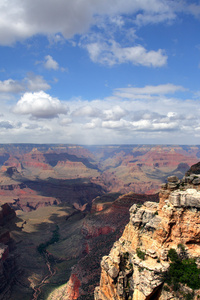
(141, 254)
(125, 255)
(173, 255)
(181, 247)
(166, 288)
(182, 271)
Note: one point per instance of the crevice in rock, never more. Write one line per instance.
(155, 295)
(169, 231)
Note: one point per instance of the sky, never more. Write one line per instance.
(100, 71)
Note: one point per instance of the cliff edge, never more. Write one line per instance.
(157, 257)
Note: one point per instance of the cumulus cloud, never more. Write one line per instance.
(11, 86)
(65, 121)
(141, 125)
(32, 83)
(165, 119)
(112, 53)
(154, 125)
(23, 19)
(120, 124)
(95, 123)
(36, 83)
(145, 115)
(87, 111)
(62, 20)
(115, 113)
(50, 63)
(39, 105)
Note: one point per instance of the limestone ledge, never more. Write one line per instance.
(188, 198)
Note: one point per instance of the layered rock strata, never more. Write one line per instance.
(137, 265)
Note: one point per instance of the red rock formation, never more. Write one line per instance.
(93, 231)
(73, 287)
(120, 169)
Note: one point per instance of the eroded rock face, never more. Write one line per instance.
(135, 266)
(188, 198)
(6, 214)
(8, 266)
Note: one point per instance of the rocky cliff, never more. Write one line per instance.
(157, 256)
(99, 229)
(8, 266)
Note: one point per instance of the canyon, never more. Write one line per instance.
(36, 175)
(71, 203)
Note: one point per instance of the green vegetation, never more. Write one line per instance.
(166, 288)
(125, 255)
(183, 271)
(181, 247)
(55, 238)
(173, 255)
(140, 269)
(189, 296)
(141, 254)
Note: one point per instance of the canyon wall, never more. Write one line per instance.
(8, 265)
(140, 265)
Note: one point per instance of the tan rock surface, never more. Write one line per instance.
(139, 258)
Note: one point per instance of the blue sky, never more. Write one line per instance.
(100, 71)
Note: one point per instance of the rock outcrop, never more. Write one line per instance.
(6, 214)
(139, 264)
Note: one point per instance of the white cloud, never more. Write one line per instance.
(194, 9)
(171, 114)
(95, 123)
(11, 86)
(111, 120)
(120, 124)
(32, 82)
(39, 105)
(115, 113)
(145, 115)
(112, 53)
(65, 121)
(50, 63)
(22, 19)
(87, 111)
(36, 83)
(141, 125)
(154, 125)
(62, 20)
(162, 89)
